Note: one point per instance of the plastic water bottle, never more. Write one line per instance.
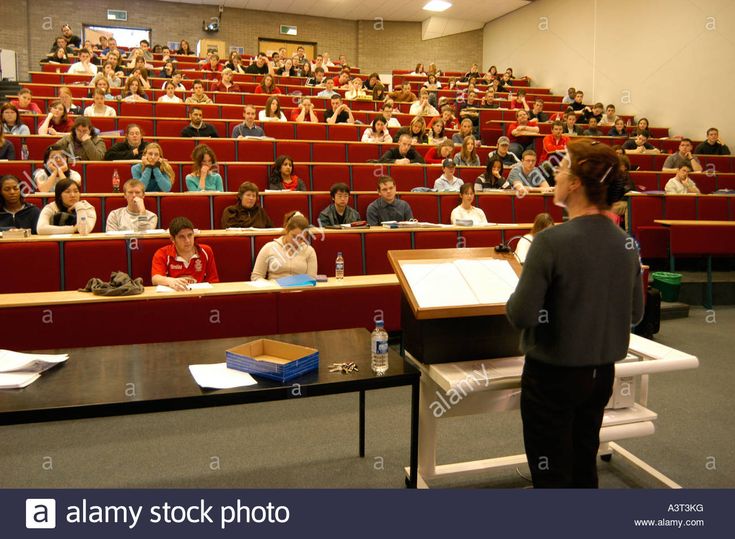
(379, 349)
(24, 153)
(339, 267)
(115, 182)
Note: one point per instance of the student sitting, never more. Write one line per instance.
(204, 172)
(640, 144)
(712, 146)
(448, 181)
(83, 142)
(153, 170)
(12, 124)
(377, 132)
(248, 128)
(68, 214)
(403, 154)
(338, 212)
(170, 95)
(98, 108)
(282, 176)
(130, 148)
(246, 213)
(272, 111)
(466, 211)
(681, 183)
(541, 222)
(7, 150)
(55, 169)
(57, 121)
(467, 156)
(388, 207)
(492, 178)
(197, 127)
(592, 129)
(15, 212)
(440, 152)
(134, 216)
(185, 261)
(525, 177)
(289, 254)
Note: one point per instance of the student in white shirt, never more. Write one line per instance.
(542, 222)
(681, 184)
(466, 211)
(170, 95)
(98, 108)
(83, 66)
(388, 115)
(448, 181)
(134, 216)
(272, 111)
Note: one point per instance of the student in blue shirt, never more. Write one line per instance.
(153, 170)
(204, 172)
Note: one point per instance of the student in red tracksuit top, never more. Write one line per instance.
(184, 261)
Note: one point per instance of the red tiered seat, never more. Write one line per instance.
(16, 277)
(237, 174)
(324, 176)
(498, 208)
(327, 247)
(96, 258)
(481, 238)
(436, 240)
(141, 255)
(713, 208)
(232, 256)
(299, 151)
(527, 208)
(194, 207)
(255, 150)
(224, 149)
(425, 207)
(279, 204)
(329, 153)
(279, 130)
(407, 176)
(682, 208)
(377, 247)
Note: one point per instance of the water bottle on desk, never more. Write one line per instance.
(339, 267)
(379, 349)
(24, 153)
(115, 182)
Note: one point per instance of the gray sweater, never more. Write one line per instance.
(579, 293)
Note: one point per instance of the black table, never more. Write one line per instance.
(135, 379)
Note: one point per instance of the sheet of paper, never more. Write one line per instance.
(461, 282)
(438, 285)
(492, 280)
(17, 380)
(16, 361)
(193, 286)
(264, 283)
(218, 376)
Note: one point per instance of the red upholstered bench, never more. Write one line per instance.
(377, 246)
(16, 273)
(95, 258)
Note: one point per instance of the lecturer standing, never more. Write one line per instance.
(578, 296)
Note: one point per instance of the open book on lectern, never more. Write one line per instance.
(460, 282)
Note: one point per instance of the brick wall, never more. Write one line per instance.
(372, 46)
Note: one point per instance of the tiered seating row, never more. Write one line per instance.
(205, 210)
(48, 264)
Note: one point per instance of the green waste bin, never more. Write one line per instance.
(668, 284)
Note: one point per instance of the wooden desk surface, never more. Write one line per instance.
(73, 297)
(317, 232)
(669, 222)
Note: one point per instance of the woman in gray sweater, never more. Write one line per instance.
(578, 296)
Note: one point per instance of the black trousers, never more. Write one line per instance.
(562, 410)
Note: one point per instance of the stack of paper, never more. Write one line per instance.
(20, 370)
(218, 376)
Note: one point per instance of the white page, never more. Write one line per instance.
(438, 285)
(491, 280)
(192, 286)
(17, 380)
(16, 361)
(264, 283)
(218, 376)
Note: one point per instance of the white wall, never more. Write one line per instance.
(672, 61)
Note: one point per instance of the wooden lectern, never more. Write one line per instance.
(453, 303)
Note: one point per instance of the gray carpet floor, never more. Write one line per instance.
(313, 442)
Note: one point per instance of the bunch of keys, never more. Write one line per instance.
(344, 368)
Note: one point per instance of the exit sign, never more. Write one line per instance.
(289, 30)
